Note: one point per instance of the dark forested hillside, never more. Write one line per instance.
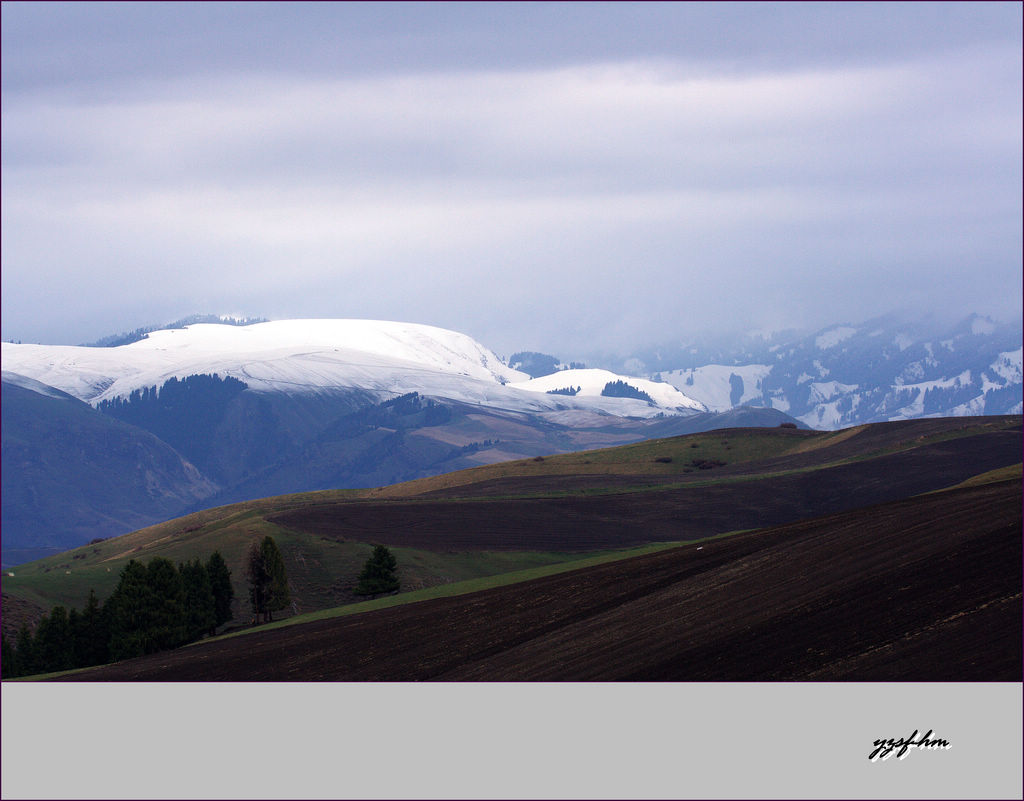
(185, 414)
(228, 432)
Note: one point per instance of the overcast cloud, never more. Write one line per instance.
(543, 176)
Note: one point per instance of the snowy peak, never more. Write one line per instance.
(285, 355)
(389, 342)
(317, 356)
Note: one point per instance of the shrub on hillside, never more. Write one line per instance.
(378, 574)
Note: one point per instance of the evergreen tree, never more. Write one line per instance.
(268, 581)
(220, 585)
(26, 650)
(127, 612)
(278, 596)
(166, 620)
(8, 659)
(257, 575)
(153, 608)
(75, 638)
(378, 573)
(199, 601)
(53, 642)
(92, 645)
(147, 610)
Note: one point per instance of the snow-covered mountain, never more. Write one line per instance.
(313, 404)
(314, 356)
(844, 375)
(230, 413)
(286, 355)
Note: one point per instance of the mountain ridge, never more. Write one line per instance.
(309, 405)
(847, 374)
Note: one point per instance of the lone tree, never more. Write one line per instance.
(268, 581)
(378, 573)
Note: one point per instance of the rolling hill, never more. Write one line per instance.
(279, 407)
(926, 589)
(785, 485)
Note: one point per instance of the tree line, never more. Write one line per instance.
(185, 413)
(565, 391)
(127, 338)
(155, 607)
(159, 606)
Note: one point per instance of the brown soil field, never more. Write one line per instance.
(921, 589)
(808, 450)
(619, 519)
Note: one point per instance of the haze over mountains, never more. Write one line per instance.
(98, 441)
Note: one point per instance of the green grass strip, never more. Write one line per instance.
(462, 587)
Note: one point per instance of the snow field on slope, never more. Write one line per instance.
(711, 385)
(915, 408)
(1008, 365)
(832, 337)
(591, 382)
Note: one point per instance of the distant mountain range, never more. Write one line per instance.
(843, 375)
(98, 441)
(234, 412)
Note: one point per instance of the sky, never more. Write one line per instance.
(541, 176)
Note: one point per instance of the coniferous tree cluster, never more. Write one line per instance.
(184, 413)
(533, 364)
(564, 391)
(407, 411)
(154, 607)
(620, 389)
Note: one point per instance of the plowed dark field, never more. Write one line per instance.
(927, 588)
(620, 519)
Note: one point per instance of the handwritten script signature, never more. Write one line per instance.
(884, 748)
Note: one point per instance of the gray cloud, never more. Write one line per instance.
(623, 192)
